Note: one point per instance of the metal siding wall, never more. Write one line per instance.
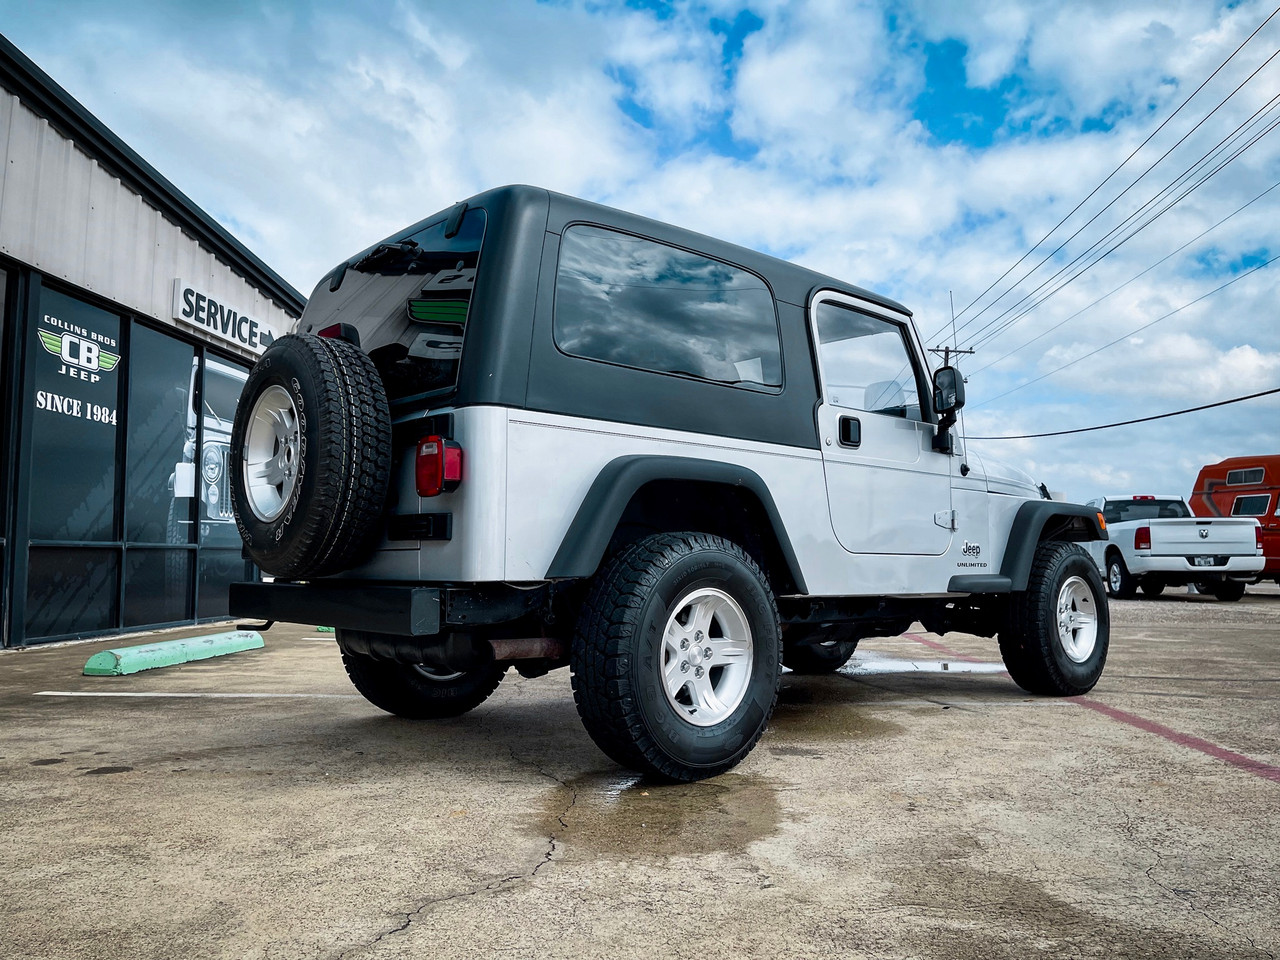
(67, 216)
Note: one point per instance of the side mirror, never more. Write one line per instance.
(948, 390)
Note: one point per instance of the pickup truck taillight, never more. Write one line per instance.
(1142, 538)
(437, 466)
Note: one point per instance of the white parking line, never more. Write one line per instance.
(205, 696)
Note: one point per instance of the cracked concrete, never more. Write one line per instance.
(897, 815)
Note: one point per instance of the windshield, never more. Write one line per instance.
(410, 298)
(1118, 511)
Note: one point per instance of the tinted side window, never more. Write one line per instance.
(1252, 475)
(1251, 506)
(635, 302)
(866, 363)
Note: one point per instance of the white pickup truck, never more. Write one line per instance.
(1157, 541)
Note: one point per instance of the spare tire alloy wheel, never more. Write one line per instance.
(311, 457)
(677, 656)
(272, 453)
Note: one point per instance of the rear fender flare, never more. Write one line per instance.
(584, 545)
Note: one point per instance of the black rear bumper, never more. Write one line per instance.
(404, 610)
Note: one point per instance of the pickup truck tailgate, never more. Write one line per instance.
(1199, 537)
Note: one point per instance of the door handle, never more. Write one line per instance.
(850, 432)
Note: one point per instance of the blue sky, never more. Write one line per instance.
(918, 148)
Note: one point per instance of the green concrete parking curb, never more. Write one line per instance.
(149, 656)
(324, 629)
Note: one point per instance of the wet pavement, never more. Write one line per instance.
(917, 805)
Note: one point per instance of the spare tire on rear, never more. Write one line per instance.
(311, 457)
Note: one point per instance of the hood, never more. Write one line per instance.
(1003, 477)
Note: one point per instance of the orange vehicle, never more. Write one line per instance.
(1244, 487)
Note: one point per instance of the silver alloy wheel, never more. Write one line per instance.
(1077, 619)
(1115, 576)
(706, 657)
(271, 453)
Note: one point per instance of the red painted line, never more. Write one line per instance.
(1257, 767)
(941, 648)
(1264, 770)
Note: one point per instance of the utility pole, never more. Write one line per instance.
(947, 352)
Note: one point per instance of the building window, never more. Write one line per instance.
(76, 368)
(129, 516)
(638, 303)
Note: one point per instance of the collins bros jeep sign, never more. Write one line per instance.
(197, 309)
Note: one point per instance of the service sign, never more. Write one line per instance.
(197, 309)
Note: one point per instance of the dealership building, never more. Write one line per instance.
(130, 320)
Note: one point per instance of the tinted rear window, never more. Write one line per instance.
(423, 277)
(1118, 511)
(639, 303)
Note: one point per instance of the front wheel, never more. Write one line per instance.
(1057, 632)
(676, 657)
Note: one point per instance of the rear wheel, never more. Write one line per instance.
(676, 657)
(1055, 639)
(418, 692)
(1152, 586)
(1228, 590)
(816, 650)
(1120, 582)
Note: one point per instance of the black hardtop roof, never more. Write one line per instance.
(791, 282)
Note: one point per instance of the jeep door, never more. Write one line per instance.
(888, 490)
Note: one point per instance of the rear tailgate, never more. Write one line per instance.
(1227, 537)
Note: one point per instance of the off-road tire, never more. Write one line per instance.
(332, 519)
(618, 648)
(1030, 641)
(1152, 586)
(1121, 584)
(817, 650)
(1227, 590)
(418, 693)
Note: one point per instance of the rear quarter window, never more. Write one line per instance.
(635, 302)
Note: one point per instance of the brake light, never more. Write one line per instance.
(1142, 538)
(437, 466)
(1145, 497)
(341, 331)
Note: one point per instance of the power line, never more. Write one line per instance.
(986, 334)
(1138, 276)
(1107, 179)
(1125, 423)
(1131, 333)
(1190, 171)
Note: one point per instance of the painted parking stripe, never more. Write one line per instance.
(1259, 768)
(197, 696)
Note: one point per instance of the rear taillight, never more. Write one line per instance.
(437, 466)
(341, 331)
(1142, 538)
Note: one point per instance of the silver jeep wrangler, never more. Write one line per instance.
(537, 432)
